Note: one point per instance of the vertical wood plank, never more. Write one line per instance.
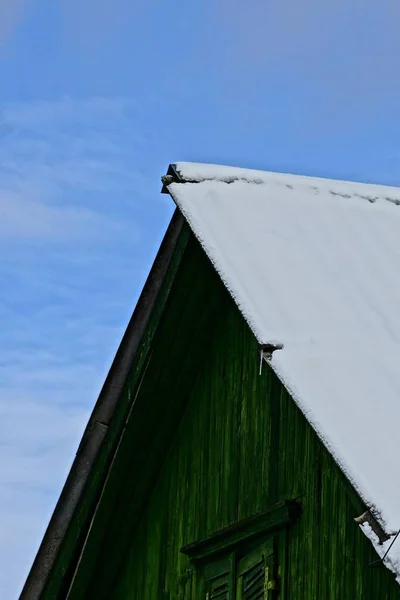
(240, 445)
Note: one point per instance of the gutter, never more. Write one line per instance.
(100, 419)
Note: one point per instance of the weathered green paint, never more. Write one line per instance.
(210, 441)
(158, 399)
(59, 581)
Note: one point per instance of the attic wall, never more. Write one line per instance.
(241, 446)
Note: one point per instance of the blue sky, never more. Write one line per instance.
(97, 97)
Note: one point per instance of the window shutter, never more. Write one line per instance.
(255, 574)
(218, 579)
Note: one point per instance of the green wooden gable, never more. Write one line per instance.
(198, 477)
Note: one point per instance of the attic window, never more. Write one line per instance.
(250, 577)
(238, 562)
(218, 578)
(255, 574)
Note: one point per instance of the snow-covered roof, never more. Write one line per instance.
(314, 266)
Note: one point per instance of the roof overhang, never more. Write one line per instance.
(100, 419)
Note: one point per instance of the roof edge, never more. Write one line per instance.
(190, 172)
(101, 416)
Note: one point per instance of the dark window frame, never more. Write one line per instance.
(225, 555)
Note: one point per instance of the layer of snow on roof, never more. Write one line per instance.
(314, 265)
(196, 173)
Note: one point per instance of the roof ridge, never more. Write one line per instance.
(201, 173)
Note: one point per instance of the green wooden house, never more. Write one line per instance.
(245, 442)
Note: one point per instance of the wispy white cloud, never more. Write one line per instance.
(72, 221)
(24, 217)
(51, 150)
(46, 114)
(36, 439)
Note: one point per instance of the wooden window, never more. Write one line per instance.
(218, 579)
(241, 577)
(254, 574)
(238, 560)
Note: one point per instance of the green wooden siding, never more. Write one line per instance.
(210, 441)
(158, 392)
(59, 580)
(242, 445)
